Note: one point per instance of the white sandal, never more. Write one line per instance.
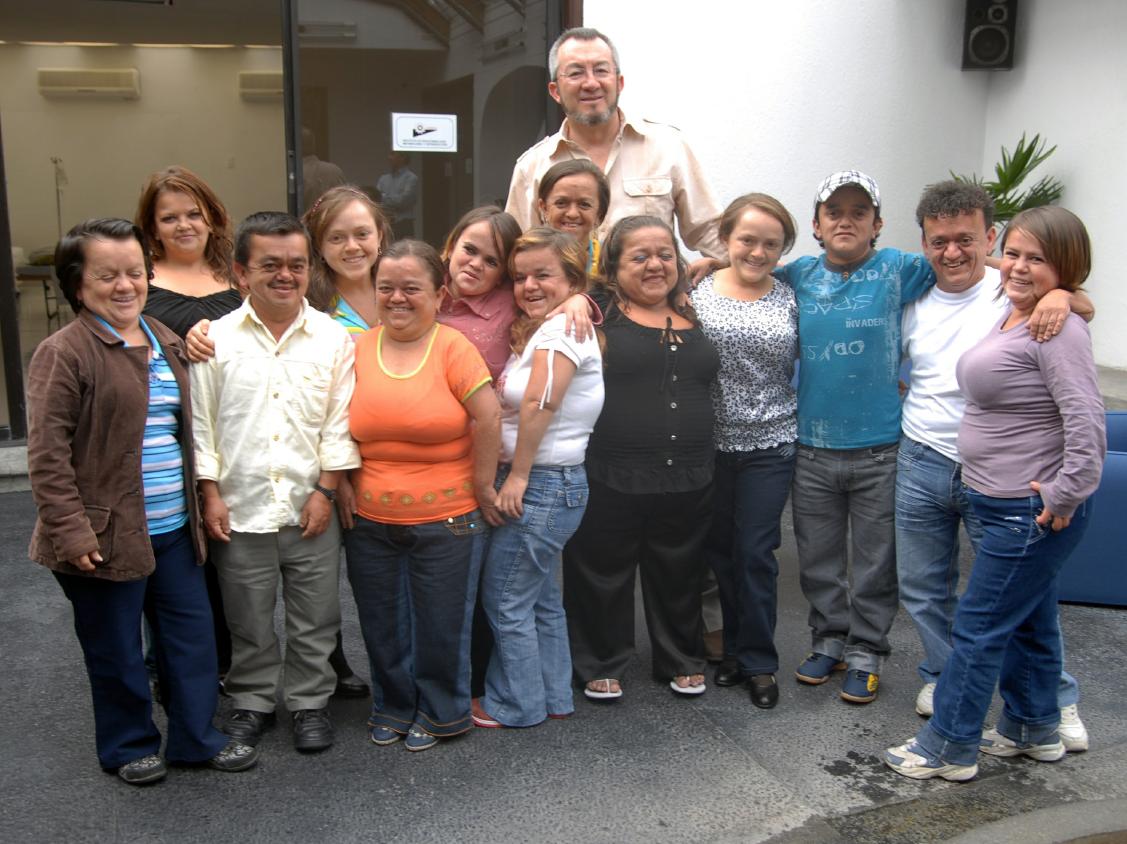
(698, 689)
(606, 693)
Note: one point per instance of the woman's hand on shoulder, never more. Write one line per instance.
(1048, 317)
(701, 267)
(510, 498)
(200, 348)
(577, 310)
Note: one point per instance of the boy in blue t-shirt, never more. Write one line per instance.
(849, 304)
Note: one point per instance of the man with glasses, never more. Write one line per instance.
(271, 416)
(650, 168)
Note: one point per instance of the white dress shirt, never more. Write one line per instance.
(270, 416)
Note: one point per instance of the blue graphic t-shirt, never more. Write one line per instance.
(849, 345)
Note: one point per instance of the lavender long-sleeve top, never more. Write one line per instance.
(1034, 413)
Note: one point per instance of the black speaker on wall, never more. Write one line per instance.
(988, 35)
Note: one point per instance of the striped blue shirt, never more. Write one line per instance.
(162, 462)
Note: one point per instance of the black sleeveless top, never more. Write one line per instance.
(655, 431)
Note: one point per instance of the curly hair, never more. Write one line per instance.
(176, 179)
(952, 198)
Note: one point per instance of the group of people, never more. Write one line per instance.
(556, 391)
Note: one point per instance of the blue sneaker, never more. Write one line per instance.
(418, 740)
(817, 669)
(910, 760)
(859, 686)
(383, 735)
(996, 744)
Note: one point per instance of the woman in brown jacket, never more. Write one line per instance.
(110, 460)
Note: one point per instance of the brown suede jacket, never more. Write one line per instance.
(88, 396)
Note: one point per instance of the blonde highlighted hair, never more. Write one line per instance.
(573, 261)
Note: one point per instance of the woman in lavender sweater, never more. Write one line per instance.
(1032, 442)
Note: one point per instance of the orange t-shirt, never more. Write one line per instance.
(414, 432)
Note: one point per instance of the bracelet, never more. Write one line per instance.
(330, 494)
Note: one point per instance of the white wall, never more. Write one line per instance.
(775, 96)
(1069, 85)
(189, 113)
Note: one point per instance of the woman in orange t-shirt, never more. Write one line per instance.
(422, 497)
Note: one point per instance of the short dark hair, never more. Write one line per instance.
(952, 198)
(574, 167)
(70, 254)
(267, 224)
(424, 253)
(579, 33)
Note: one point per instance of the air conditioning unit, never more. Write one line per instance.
(97, 83)
(260, 85)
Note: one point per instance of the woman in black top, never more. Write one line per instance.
(649, 467)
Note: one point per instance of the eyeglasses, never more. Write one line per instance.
(576, 73)
(275, 267)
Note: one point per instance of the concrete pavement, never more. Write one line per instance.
(652, 767)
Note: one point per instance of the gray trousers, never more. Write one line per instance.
(838, 493)
(250, 567)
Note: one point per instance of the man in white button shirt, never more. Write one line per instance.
(956, 220)
(271, 416)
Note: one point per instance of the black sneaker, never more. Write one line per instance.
(235, 757)
(312, 730)
(247, 725)
(143, 771)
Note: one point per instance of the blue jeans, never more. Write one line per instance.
(529, 673)
(1006, 631)
(107, 621)
(751, 489)
(851, 586)
(423, 677)
(931, 500)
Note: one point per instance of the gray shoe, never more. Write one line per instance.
(143, 771)
(235, 757)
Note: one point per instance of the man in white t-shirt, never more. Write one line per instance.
(956, 220)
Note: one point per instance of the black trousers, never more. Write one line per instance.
(660, 534)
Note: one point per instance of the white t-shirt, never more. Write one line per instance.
(936, 330)
(565, 441)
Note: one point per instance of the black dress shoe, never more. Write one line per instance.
(247, 726)
(729, 673)
(764, 690)
(312, 730)
(351, 686)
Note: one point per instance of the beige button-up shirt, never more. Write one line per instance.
(651, 170)
(270, 416)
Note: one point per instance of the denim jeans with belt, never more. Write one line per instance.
(423, 679)
(930, 502)
(751, 489)
(851, 587)
(1006, 631)
(529, 674)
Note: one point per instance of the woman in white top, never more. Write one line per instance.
(551, 394)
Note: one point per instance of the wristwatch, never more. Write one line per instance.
(330, 494)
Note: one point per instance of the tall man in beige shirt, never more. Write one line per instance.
(271, 434)
(650, 168)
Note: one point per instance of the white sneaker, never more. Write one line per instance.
(1072, 733)
(925, 701)
(910, 761)
(996, 744)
